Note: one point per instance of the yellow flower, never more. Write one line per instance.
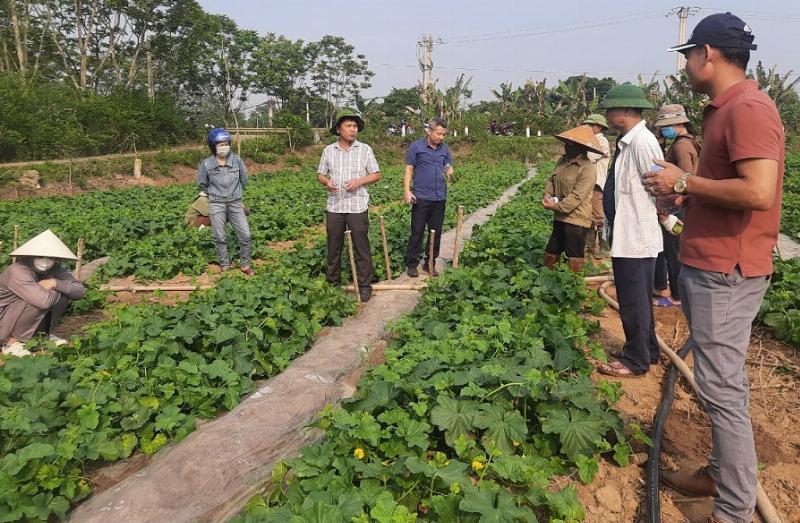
(515, 443)
(477, 465)
(359, 453)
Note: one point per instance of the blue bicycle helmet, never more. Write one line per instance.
(216, 136)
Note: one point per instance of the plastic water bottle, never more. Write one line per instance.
(665, 204)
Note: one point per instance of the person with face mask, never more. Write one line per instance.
(35, 291)
(733, 211)
(223, 177)
(568, 193)
(684, 151)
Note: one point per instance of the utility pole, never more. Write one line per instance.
(683, 13)
(424, 56)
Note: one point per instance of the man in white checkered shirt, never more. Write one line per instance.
(347, 166)
(635, 233)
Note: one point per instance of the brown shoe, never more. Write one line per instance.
(697, 483)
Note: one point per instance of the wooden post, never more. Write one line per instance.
(348, 233)
(456, 242)
(392, 287)
(432, 241)
(79, 261)
(137, 168)
(386, 251)
(16, 242)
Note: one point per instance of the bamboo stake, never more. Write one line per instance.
(151, 288)
(79, 261)
(459, 224)
(386, 251)
(349, 235)
(391, 287)
(431, 241)
(16, 241)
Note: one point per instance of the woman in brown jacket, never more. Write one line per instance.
(685, 153)
(568, 193)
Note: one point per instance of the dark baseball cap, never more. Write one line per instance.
(719, 30)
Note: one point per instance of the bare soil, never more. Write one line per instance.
(775, 409)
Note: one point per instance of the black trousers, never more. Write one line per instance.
(633, 278)
(358, 223)
(425, 214)
(668, 267)
(567, 238)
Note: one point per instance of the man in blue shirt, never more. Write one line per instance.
(430, 165)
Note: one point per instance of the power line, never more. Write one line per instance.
(513, 33)
(552, 29)
(499, 70)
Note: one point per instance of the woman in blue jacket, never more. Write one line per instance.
(223, 176)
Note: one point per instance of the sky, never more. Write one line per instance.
(512, 41)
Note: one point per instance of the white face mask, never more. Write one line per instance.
(43, 264)
(223, 150)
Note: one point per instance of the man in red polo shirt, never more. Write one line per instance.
(732, 219)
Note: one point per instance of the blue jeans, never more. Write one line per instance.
(221, 213)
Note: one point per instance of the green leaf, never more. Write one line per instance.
(503, 426)
(13, 463)
(222, 334)
(415, 433)
(386, 510)
(578, 431)
(495, 507)
(88, 416)
(565, 505)
(453, 416)
(169, 418)
(587, 468)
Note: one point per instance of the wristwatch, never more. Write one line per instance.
(680, 185)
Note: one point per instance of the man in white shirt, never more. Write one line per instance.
(632, 228)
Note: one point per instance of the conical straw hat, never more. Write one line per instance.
(583, 136)
(46, 245)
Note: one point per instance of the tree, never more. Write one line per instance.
(279, 66)
(337, 73)
(782, 91)
(396, 104)
(454, 98)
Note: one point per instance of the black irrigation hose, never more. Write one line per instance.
(763, 503)
(653, 454)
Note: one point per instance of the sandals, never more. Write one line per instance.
(665, 302)
(618, 370)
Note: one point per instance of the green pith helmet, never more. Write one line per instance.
(596, 119)
(346, 112)
(626, 95)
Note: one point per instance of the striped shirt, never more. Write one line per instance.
(342, 166)
(637, 233)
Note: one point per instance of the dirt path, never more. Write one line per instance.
(774, 369)
(210, 475)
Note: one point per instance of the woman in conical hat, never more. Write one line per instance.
(35, 291)
(568, 193)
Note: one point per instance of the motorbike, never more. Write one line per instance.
(397, 130)
(503, 129)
